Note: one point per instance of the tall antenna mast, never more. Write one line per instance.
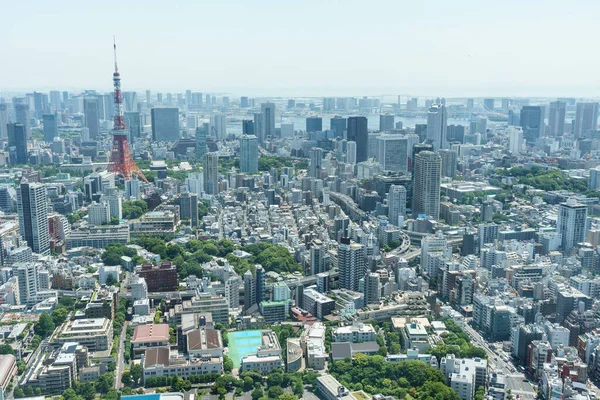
(115, 51)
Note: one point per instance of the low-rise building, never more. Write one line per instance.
(205, 341)
(330, 388)
(96, 333)
(357, 332)
(267, 357)
(149, 336)
(157, 362)
(98, 236)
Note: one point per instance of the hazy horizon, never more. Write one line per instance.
(268, 48)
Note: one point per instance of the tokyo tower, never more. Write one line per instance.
(121, 161)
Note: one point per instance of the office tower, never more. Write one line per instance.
(396, 204)
(211, 173)
(261, 277)
(572, 223)
(259, 130)
(455, 133)
(249, 290)
(394, 151)
(338, 125)
(133, 121)
(17, 144)
(188, 98)
(148, 99)
(314, 124)
(159, 98)
(505, 104)
(386, 122)
(532, 123)
(515, 140)
(188, 208)
(248, 127)
(357, 132)
(27, 276)
(489, 104)
(248, 153)
(32, 207)
(372, 288)
(268, 121)
(479, 125)
(244, 102)
(98, 214)
(426, 185)
(316, 162)
(351, 264)
(40, 102)
(317, 252)
(594, 180)
(351, 153)
(55, 101)
(108, 101)
(470, 105)
(22, 115)
(586, 119)
(437, 126)
(130, 101)
(91, 115)
(556, 119)
(449, 162)
(287, 130)
(201, 134)
(421, 132)
(165, 124)
(218, 126)
(132, 189)
(328, 104)
(50, 127)
(115, 205)
(3, 120)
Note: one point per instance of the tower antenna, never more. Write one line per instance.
(115, 52)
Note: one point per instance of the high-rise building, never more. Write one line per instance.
(3, 120)
(218, 126)
(92, 117)
(165, 124)
(50, 127)
(32, 207)
(130, 101)
(594, 179)
(357, 131)
(211, 173)
(98, 214)
(316, 162)
(248, 127)
(259, 130)
(437, 126)
(532, 123)
(201, 134)
(572, 223)
(314, 124)
(268, 121)
(188, 208)
(455, 133)
(586, 119)
(338, 125)
(249, 290)
(394, 151)
(248, 153)
(22, 115)
(133, 122)
(351, 264)
(396, 204)
(556, 119)
(351, 152)
(132, 189)
(40, 102)
(372, 288)
(449, 163)
(55, 101)
(515, 140)
(17, 144)
(426, 184)
(244, 102)
(28, 278)
(386, 122)
(489, 104)
(260, 283)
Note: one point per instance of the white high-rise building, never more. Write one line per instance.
(397, 204)
(437, 126)
(98, 214)
(433, 246)
(139, 288)
(195, 183)
(515, 140)
(32, 207)
(351, 264)
(132, 189)
(28, 281)
(426, 184)
(115, 205)
(394, 151)
(211, 173)
(351, 152)
(232, 291)
(218, 126)
(572, 223)
(248, 153)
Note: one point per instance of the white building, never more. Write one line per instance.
(357, 332)
(572, 223)
(397, 204)
(437, 126)
(108, 270)
(515, 140)
(98, 214)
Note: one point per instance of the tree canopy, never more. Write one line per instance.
(133, 209)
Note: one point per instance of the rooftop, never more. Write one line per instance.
(150, 333)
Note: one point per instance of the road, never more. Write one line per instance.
(120, 356)
(515, 381)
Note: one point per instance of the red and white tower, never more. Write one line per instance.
(121, 161)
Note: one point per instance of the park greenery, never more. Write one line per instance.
(114, 251)
(133, 209)
(456, 342)
(408, 378)
(548, 180)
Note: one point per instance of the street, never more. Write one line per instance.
(120, 356)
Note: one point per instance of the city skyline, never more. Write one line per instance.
(428, 49)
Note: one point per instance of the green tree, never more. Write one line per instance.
(288, 396)
(298, 388)
(110, 280)
(6, 349)
(227, 364)
(256, 394)
(134, 209)
(105, 382)
(136, 372)
(275, 391)
(45, 325)
(126, 377)
(59, 316)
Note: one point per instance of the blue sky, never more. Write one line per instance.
(305, 48)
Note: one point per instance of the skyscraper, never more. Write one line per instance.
(532, 122)
(28, 278)
(201, 134)
(261, 277)
(22, 114)
(98, 214)
(572, 223)
(55, 101)
(218, 126)
(515, 140)
(449, 161)
(92, 117)
(351, 264)
(426, 184)
(165, 124)
(316, 162)
(211, 173)
(586, 119)
(130, 101)
(338, 126)
(50, 127)
(134, 123)
(358, 132)
(40, 102)
(3, 120)
(386, 122)
(437, 126)
(396, 203)
(314, 124)
(394, 151)
(249, 290)
(268, 124)
(556, 119)
(259, 130)
(351, 152)
(32, 207)
(248, 153)
(17, 144)
(188, 208)
(248, 127)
